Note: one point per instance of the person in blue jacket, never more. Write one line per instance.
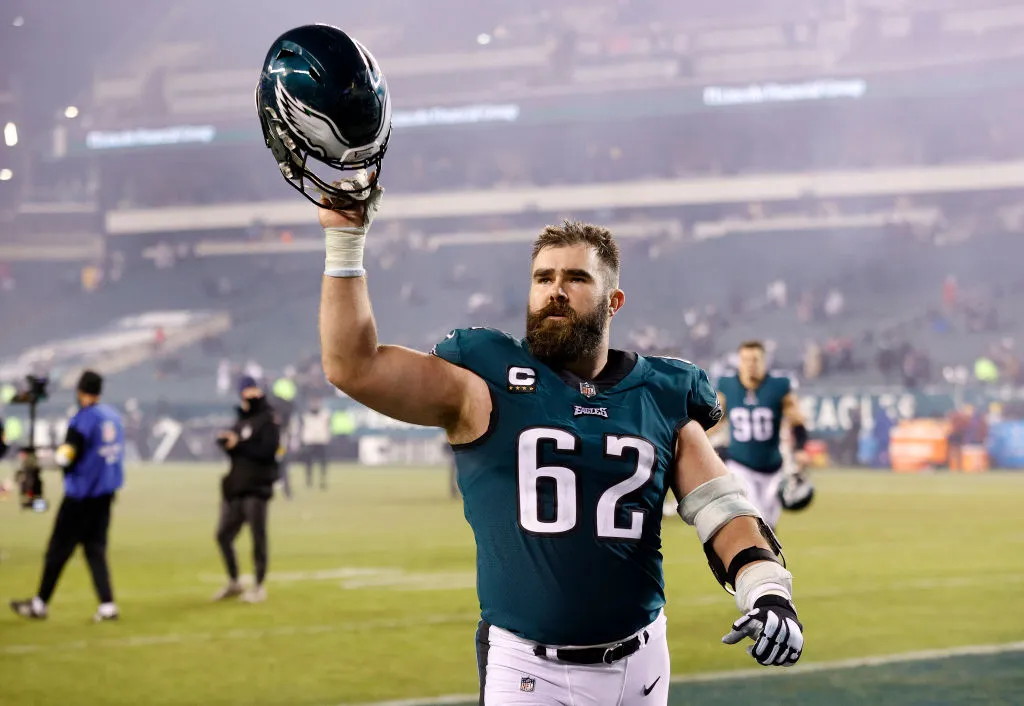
(92, 457)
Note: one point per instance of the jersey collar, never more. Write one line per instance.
(620, 364)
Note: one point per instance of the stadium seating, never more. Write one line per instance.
(419, 294)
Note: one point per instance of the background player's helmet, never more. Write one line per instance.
(324, 106)
(796, 492)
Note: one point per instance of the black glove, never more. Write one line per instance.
(772, 624)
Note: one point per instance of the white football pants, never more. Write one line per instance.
(762, 490)
(511, 674)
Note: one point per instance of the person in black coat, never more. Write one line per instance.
(252, 445)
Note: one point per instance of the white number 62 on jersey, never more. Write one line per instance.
(566, 505)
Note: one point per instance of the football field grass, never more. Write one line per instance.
(371, 597)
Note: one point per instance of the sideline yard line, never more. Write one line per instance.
(922, 584)
(951, 582)
(236, 634)
(836, 665)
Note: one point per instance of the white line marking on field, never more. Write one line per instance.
(837, 665)
(239, 634)
(344, 572)
(352, 579)
(393, 579)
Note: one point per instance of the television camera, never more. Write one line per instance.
(29, 474)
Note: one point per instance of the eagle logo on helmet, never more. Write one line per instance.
(319, 133)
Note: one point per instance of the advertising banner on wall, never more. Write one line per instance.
(187, 432)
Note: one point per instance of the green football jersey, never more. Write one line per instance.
(755, 420)
(564, 491)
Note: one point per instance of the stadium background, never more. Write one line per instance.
(843, 179)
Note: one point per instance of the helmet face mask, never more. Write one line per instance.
(325, 111)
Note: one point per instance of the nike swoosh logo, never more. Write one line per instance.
(649, 689)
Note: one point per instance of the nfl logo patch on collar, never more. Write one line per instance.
(527, 684)
(587, 389)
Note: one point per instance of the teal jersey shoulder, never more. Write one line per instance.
(564, 492)
(755, 420)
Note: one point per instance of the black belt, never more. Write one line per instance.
(596, 655)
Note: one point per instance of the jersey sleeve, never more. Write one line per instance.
(80, 424)
(483, 351)
(702, 404)
(788, 381)
(449, 347)
(684, 392)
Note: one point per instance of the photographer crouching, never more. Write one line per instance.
(252, 446)
(92, 457)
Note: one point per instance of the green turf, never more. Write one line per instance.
(371, 589)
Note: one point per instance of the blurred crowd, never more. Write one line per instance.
(898, 303)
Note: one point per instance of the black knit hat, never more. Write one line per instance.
(91, 383)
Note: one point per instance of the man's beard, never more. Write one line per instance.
(560, 342)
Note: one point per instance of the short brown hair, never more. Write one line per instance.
(756, 345)
(575, 232)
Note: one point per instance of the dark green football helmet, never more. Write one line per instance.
(323, 103)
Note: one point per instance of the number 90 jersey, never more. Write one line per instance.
(564, 491)
(755, 420)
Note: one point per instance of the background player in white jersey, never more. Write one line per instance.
(564, 447)
(756, 404)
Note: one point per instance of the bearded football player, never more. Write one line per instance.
(565, 449)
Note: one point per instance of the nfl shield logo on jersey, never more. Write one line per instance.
(587, 389)
(527, 684)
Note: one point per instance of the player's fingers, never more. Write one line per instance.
(796, 635)
(772, 625)
(781, 633)
(794, 655)
(744, 627)
(781, 656)
(767, 648)
(766, 651)
(733, 637)
(753, 652)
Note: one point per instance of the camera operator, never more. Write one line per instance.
(92, 457)
(252, 446)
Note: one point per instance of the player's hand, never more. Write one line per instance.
(230, 439)
(772, 624)
(355, 212)
(335, 215)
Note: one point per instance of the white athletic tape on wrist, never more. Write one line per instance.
(345, 245)
(759, 579)
(344, 252)
(711, 505)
